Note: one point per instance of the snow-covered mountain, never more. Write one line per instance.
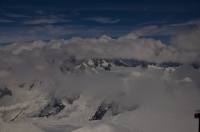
(101, 95)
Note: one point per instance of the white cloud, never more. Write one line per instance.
(183, 46)
(5, 21)
(127, 47)
(103, 20)
(16, 49)
(188, 41)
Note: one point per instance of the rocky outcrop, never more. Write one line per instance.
(119, 63)
(94, 63)
(101, 111)
(144, 65)
(115, 104)
(31, 86)
(53, 107)
(5, 91)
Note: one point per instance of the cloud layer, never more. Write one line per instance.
(184, 48)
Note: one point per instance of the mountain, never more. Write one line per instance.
(94, 63)
(101, 95)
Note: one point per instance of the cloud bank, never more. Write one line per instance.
(184, 48)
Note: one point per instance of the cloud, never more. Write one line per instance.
(188, 41)
(194, 22)
(27, 61)
(17, 48)
(125, 47)
(45, 21)
(5, 21)
(16, 15)
(40, 21)
(183, 46)
(47, 32)
(103, 20)
(154, 30)
(165, 30)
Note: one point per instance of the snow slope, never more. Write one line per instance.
(155, 99)
(18, 127)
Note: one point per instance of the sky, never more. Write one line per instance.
(175, 24)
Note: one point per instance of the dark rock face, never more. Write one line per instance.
(5, 91)
(93, 63)
(31, 86)
(144, 65)
(107, 68)
(96, 62)
(115, 105)
(119, 63)
(82, 67)
(105, 64)
(101, 111)
(17, 115)
(68, 64)
(53, 107)
(126, 62)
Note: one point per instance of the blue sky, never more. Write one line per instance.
(28, 20)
